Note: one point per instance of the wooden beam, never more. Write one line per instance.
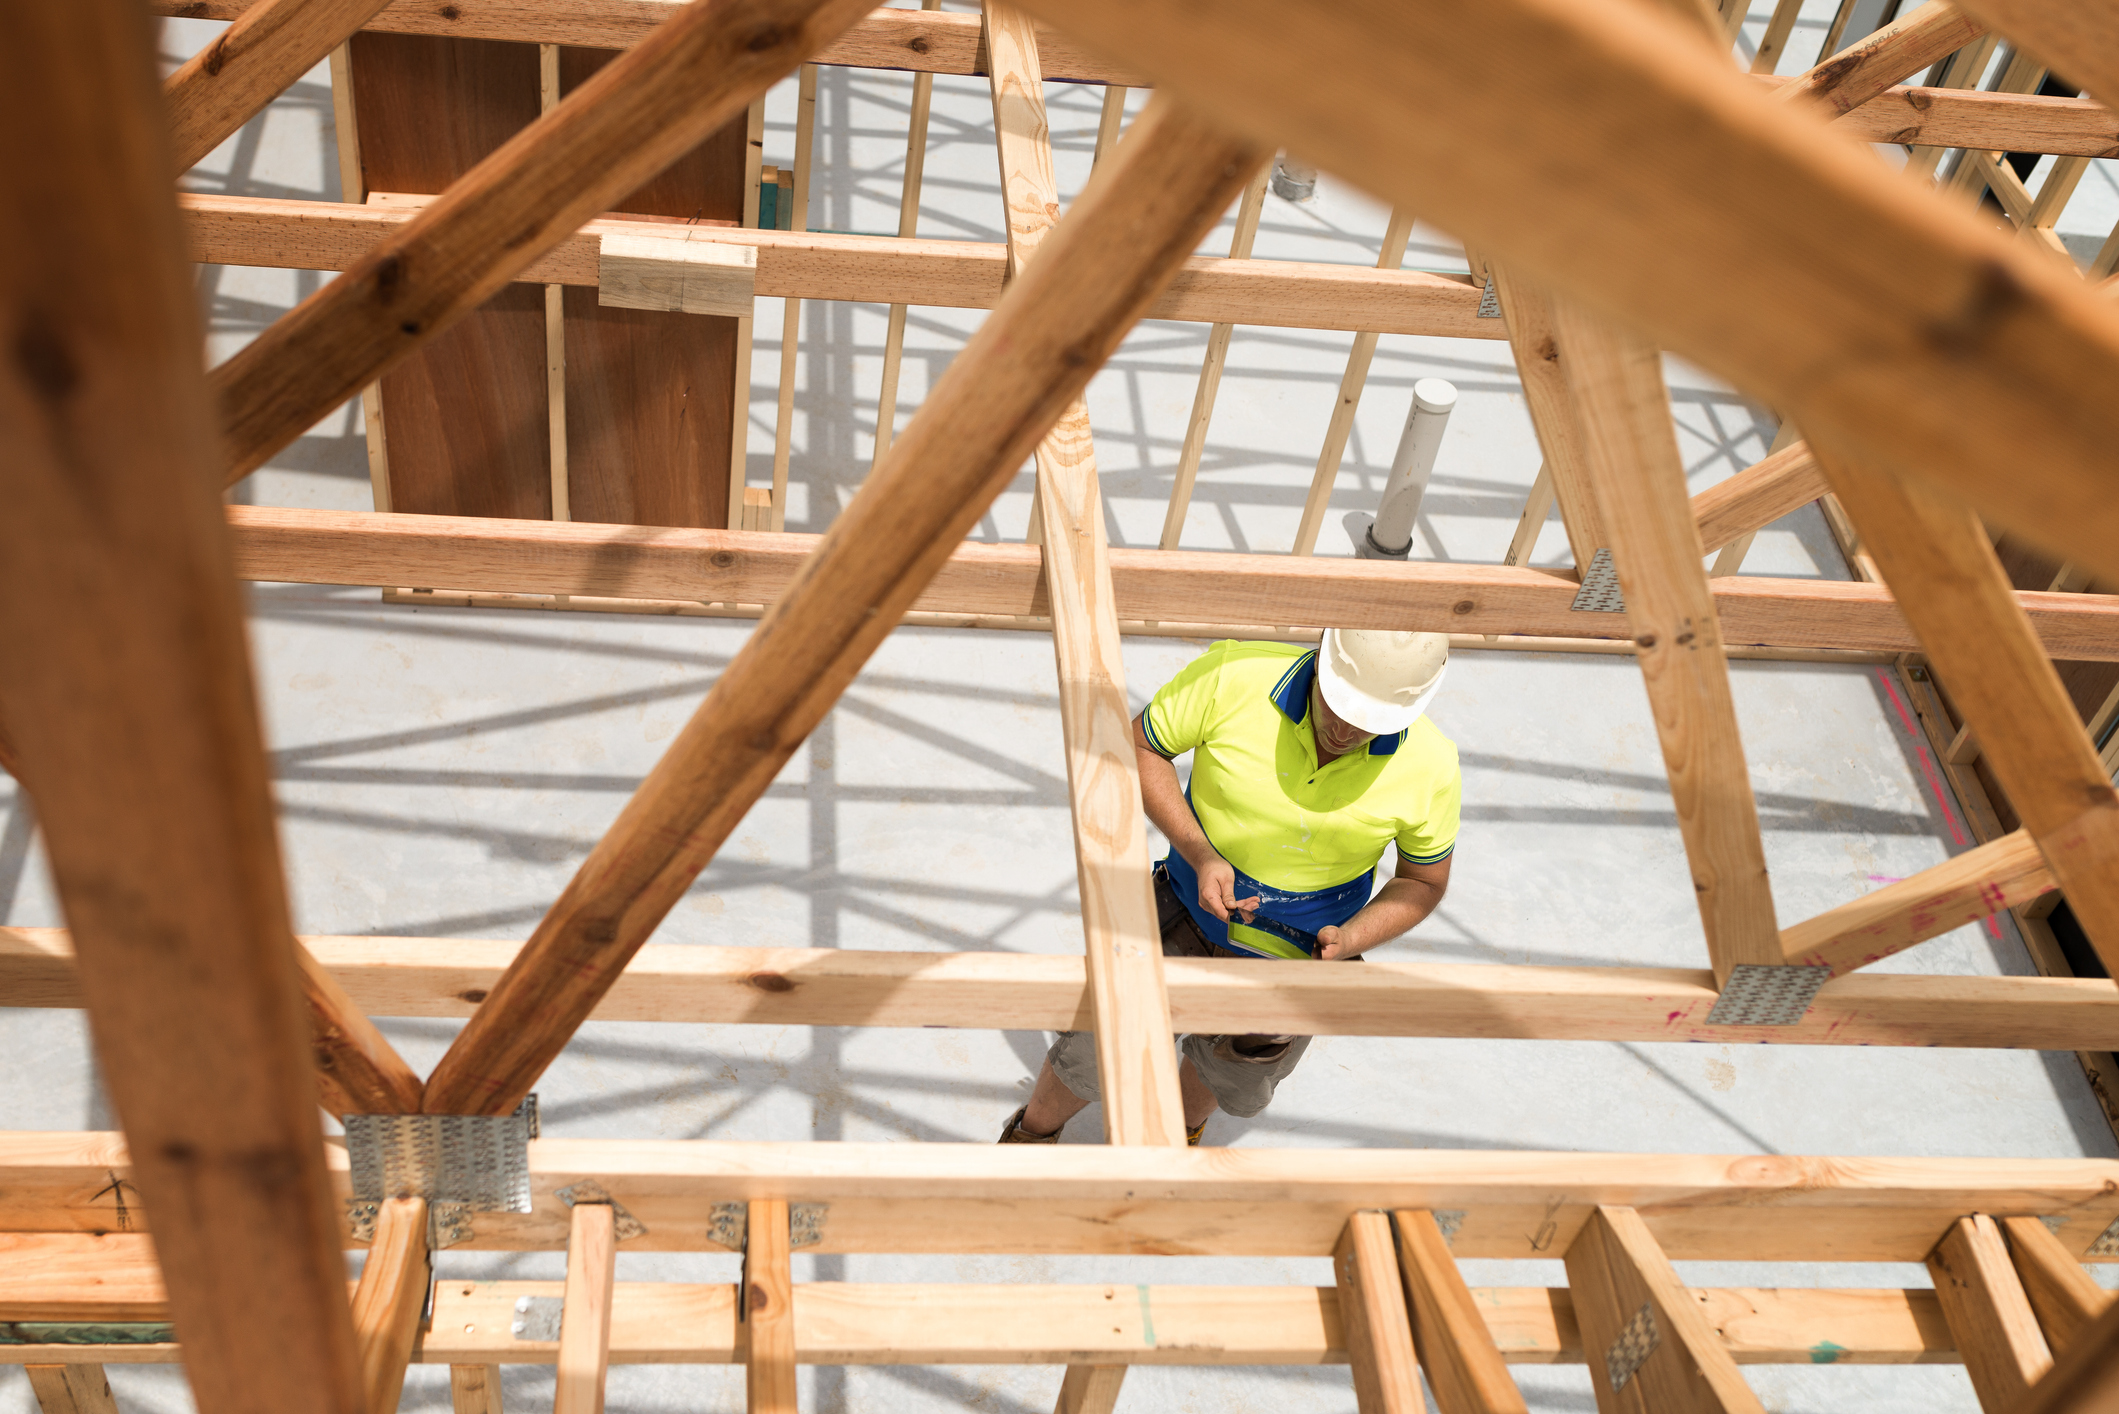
(636, 116)
(853, 987)
(1136, 1059)
(585, 1317)
(130, 696)
(1203, 399)
(390, 1299)
(71, 1389)
(1937, 556)
(1142, 1199)
(851, 1323)
(908, 227)
(223, 86)
(727, 567)
(84, 1276)
(2066, 1299)
(1630, 446)
(1997, 1334)
(473, 1389)
(1090, 1389)
(1285, 294)
(1456, 1345)
(1143, 212)
(1650, 1347)
(1757, 496)
(1542, 366)
(1875, 346)
(1936, 118)
(1917, 39)
(766, 1334)
(1979, 883)
(2086, 1379)
(1378, 1334)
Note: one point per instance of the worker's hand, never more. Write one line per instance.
(1336, 945)
(1217, 890)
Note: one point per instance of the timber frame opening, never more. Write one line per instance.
(126, 705)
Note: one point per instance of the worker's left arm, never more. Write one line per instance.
(1401, 903)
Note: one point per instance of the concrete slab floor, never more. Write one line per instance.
(442, 772)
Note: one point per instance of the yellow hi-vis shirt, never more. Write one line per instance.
(1304, 840)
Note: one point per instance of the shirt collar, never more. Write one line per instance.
(1291, 695)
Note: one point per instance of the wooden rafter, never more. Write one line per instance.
(1861, 71)
(128, 686)
(2001, 874)
(247, 65)
(388, 1302)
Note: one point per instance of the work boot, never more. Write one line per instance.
(1193, 1136)
(1013, 1132)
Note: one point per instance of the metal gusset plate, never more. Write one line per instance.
(480, 1161)
(1635, 1343)
(1599, 593)
(1763, 995)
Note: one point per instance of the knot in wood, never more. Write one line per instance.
(769, 37)
(1646, 640)
(43, 359)
(722, 559)
(769, 982)
(1462, 606)
(451, 13)
(1992, 297)
(216, 56)
(473, 995)
(917, 45)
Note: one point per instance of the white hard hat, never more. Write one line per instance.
(1380, 680)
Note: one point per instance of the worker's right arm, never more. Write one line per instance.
(1164, 800)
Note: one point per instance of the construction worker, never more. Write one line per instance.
(1307, 765)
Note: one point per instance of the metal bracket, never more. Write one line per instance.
(361, 1214)
(589, 1190)
(448, 1224)
(805, 1224)
(729, 1225)
(1489, 300)
(1635, 1343)
(1764, 995)
(537, 1317)
(480, 1162)
(2107, 1242)
(1448, 1220)
(1599, 593)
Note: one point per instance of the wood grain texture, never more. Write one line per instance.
(2066, 1299)
(767, 1331)
(247, 65)
(651, 397)
(1147, 1199)
(1939, 560)
(2002, 874)
(469, 412)
(474, 1389)
(1542, 365)
(389, 1300)
(80, 1277)
(1143, 211)
(585, 1321)
(1757, 496)
(929, 43)
(128, 690)
(1135, 1057)
(1456, 1346)
(71, 1389)
(1372, 1316)
(1917, 39)
(730, 567)
(853, 987)
(854, 1323)
(1992, 122)
(1287, 294)
(2086, 1379)
(1997, 1334)
(1708, 239)
(1630, 445)
(1090, 1389)
(1616, 1271)
(648, 108)
(2086, 39)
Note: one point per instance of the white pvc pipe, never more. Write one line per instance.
(1433, 398)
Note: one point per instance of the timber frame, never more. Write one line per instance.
(144, 755)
